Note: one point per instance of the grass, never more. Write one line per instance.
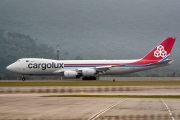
(90, 83)
(119, 96)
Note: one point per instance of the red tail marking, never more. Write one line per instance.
(161, 50)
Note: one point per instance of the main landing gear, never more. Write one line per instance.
(23, 78)
(89, 78)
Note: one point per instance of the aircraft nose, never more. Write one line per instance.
(9, 67)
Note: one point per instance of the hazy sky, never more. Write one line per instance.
(95, 29)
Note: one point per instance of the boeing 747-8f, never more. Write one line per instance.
(90, 69)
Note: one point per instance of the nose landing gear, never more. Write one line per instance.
(23, 78)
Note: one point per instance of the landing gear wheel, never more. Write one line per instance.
(89, 78)
(23, 78)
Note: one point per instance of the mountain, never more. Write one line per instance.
(15, 45)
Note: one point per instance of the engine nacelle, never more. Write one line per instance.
(88, 72)
(70, 74)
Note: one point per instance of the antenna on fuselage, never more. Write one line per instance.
(57, 52)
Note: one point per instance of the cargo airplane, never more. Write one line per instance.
(91, 69)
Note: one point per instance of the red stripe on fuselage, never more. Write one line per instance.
(89, 64)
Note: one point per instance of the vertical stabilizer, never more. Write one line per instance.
(161, 51)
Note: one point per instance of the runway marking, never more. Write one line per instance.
(170, 113)
(106, 109)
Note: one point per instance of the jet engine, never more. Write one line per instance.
(88, 72)
(70, 74)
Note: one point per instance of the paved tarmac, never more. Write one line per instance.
(144, 109)
(27, 105)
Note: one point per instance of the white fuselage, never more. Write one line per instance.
(35, 66)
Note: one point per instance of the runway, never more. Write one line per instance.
(105, 90)
(22, 104)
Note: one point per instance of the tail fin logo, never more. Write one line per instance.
(160, 52)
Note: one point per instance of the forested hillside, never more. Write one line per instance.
(15, 45)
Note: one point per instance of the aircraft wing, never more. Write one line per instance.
(98, 69)
(104, 68)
